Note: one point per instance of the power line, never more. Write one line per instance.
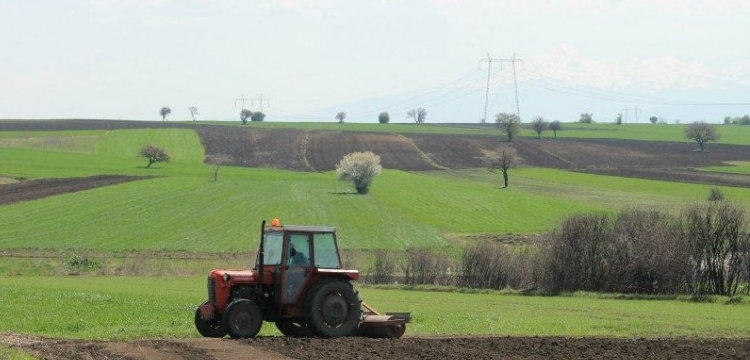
(242, 100)
(260, 100)
(552, 84)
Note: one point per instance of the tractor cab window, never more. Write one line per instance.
(272, 245)
(326, 254)
(299, 250)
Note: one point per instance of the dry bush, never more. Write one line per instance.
(650, 255)
(717, 235)
(383, 268)
(577, 257)
(637, 251)
(497, 266)
(423, 267)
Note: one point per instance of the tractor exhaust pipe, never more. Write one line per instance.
(261, 255)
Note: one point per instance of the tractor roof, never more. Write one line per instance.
(304, 228)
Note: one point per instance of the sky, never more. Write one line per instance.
(679, 60)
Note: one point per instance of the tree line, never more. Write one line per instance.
(704, 251)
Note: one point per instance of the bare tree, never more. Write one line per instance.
(216, 162)
(154, 154)
(509, 124)
(193, 111)
(164, 111)
(361, 168)
(505, 160)
(555, 126)
(701, 133)
(341, 116)
(418, 114)
(718, 236)
(539, 125)
(244, 115)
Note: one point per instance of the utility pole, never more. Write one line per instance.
(242, 100)
(489, 61)
(513, 61)
(260, 101)
(635, 110)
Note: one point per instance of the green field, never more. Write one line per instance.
(733, 167)
(137, 307)
(729, 134)
(188, 212)
(179, 210)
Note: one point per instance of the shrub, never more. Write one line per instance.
(383, 268)
(384, 118)
(715, 195)
(718, 241)
(424, 267)
(638, 251)
(649, 254)
(361, 168)
(77, 264)
(579, 253)
(486, 265)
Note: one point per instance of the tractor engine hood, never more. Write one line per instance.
(226, 277)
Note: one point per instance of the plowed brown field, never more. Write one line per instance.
(476, 348)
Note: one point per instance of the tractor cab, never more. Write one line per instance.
(297, 256)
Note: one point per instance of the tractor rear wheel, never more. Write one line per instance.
(333, 308)
(209, 328)
(294, 328)
(243, 319)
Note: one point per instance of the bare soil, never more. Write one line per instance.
(37, 189)
(278, 348)
(320, 151)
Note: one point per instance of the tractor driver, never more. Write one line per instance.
(297, 258)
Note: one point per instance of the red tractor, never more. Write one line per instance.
(297, 283)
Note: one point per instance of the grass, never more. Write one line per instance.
(138, 307)
(7, 353)
(730, 134)
(403, 128)
(112, 152)
(732, 167)
(181, 210)
(189, 213)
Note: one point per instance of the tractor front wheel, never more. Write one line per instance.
(333, 308)
(209, 328)
(243, 319)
